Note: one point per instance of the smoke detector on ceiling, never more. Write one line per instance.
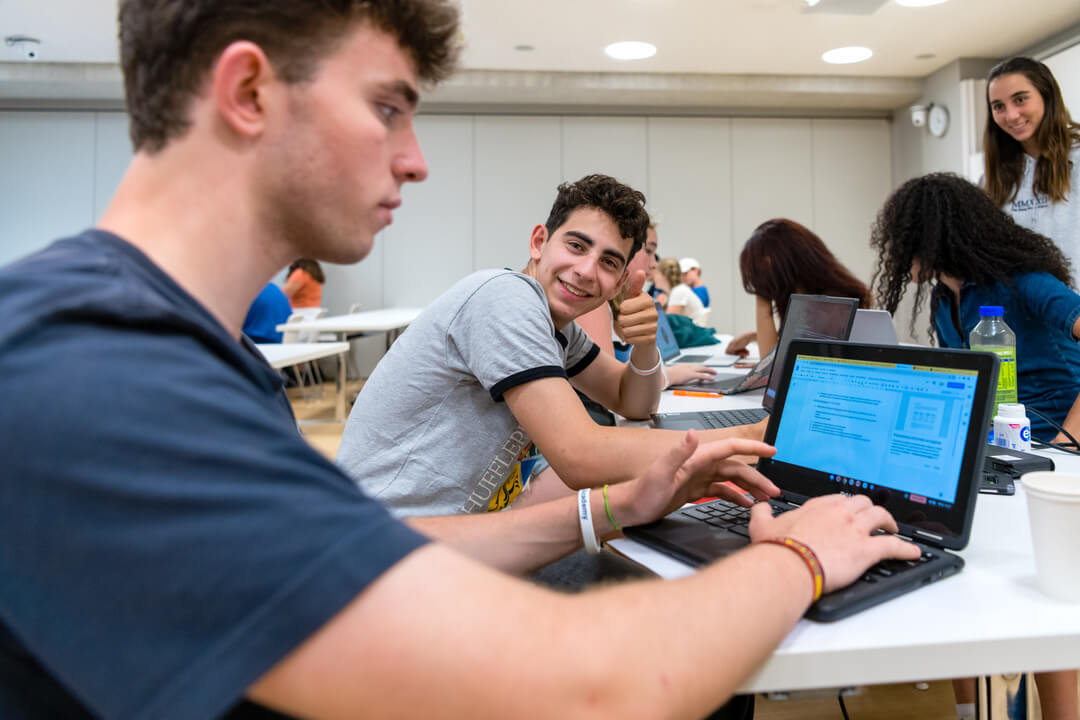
(24, 46)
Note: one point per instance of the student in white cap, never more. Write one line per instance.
(683, 300)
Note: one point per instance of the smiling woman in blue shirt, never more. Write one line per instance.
(944, 234)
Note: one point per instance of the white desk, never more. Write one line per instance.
(281, 355)
(388, 320)
(988, 619)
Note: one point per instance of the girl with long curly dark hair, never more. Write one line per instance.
(1031, 150)
(946, 235)
(781, 258)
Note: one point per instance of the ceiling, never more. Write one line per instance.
(731, 46)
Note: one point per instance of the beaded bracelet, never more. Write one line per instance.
(808, 557)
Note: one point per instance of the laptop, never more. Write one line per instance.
(873, 327)
(669, 349)
(904, 425)
(808, 316)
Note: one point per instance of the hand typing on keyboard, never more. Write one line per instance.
(841, 532)
(689, 472)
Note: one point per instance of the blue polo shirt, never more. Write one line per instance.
(1041, 310)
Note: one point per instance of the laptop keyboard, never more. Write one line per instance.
(731, 418)
(735, 518)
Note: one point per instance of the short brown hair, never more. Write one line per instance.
(168, 46)
(624, 204)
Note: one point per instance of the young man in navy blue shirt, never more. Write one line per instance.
(170, 546)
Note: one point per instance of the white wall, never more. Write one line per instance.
(1066, 68)
(492, 178)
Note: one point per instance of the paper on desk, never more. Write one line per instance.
(664, 566)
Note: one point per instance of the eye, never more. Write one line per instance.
(387, 112)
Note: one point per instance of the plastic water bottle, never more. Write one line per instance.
(994, 335)
(1012, 429)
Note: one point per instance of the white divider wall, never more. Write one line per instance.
(492, 178)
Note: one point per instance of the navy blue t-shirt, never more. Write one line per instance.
(1041, 311)
(166, 535)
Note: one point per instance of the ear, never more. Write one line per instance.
(241, 83)
(536, 241)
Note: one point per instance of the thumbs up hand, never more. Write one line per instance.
(636, 323)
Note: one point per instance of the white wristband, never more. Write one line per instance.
(588, 532)
(659, 364)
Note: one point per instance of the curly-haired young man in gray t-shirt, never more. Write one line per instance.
(452, 417)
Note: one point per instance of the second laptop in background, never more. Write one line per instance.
(812, 317)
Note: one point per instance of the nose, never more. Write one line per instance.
(409, 164)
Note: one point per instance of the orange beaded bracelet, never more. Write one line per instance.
(808, 557)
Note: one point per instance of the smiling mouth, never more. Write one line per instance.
(576, 292)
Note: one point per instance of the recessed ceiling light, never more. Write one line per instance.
(811, 3)
(630, 50)
(919, 3)
(846, 55)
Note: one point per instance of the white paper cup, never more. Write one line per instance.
(1053, 500)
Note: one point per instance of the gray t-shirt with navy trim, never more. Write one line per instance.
(429, 433)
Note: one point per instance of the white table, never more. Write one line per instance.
(281, 355)
(391, 321)
(988, 619)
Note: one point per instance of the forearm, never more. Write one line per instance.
(519, 540)
(639, 395)
(431, 638)
(598, 455)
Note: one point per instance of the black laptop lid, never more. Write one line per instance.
(904, 425)
(816, 317)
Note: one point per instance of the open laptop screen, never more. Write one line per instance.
(815, 317)
(902, 425)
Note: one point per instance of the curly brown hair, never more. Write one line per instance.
(951, 227)
(1003, 156)
(624, 204)
(168, 46)
(783, 257)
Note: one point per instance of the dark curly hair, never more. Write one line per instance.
(783, 257)
(953, 228)
(1003, 156)
(624, 204)
(168, 46)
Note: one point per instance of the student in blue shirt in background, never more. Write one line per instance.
(942, 232)
(270, 309)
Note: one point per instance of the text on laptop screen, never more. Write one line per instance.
(872, 425)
